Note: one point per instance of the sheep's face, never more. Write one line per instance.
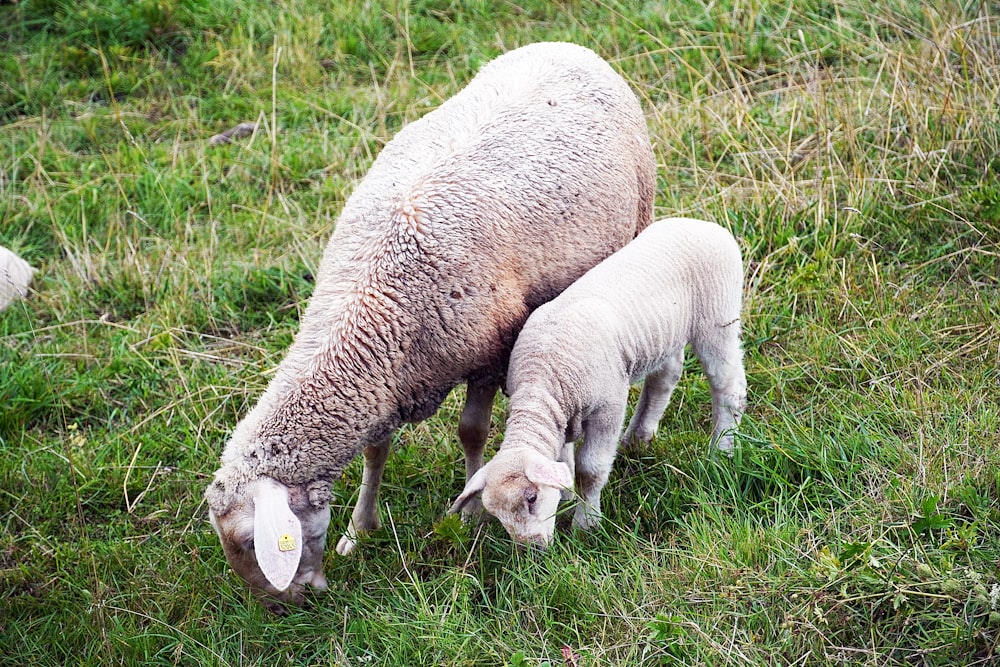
(274, 537)
(521, 488)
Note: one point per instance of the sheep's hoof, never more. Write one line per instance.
(347, 545)
(725, 445)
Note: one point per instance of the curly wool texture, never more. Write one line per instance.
(469, 219)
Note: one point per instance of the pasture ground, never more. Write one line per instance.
(851, 146)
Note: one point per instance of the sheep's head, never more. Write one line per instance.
(273, 536)
(521, 488)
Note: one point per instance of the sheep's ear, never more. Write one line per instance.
(549, 473)
(277, 534)
(472, 487)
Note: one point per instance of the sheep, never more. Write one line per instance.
(679, 282)
(469, 219)
(15, 277)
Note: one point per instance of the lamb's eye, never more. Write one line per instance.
(530, 496)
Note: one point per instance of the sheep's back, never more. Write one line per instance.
(494, 203)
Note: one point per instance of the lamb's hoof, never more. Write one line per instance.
(586, 520)
(347, 545)
(633, 442)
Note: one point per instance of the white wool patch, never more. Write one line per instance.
(15, 276)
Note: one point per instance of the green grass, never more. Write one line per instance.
(851, 146)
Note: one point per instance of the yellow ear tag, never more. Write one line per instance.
(286, 543)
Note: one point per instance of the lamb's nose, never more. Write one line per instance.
(533, 542)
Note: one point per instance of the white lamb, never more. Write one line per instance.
(469, 219)
(679, 282)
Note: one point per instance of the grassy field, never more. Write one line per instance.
(853, 147)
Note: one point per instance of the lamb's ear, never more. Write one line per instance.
(472, 487)
(277, 534)
(549, 473)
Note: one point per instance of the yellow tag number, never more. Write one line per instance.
(286, 543)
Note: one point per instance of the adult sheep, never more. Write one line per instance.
(469, 219)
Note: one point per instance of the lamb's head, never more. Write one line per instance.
(273, 535)
(521, 488)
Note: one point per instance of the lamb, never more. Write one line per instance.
(679, 282)
(468, 220)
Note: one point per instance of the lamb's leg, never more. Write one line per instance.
(722, 361)
(568, 456)
(473, 430)
(365, 517)
(594, 459)
(656, 391)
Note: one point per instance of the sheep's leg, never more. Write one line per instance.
(656, 391)
(365, 519)
(473, 430)
(594, 459)
(722, 361)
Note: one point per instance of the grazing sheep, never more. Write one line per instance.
(470, 218)
(679, 282)
(15, 276)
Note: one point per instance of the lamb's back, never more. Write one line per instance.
(677, 264)
(648, 298)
